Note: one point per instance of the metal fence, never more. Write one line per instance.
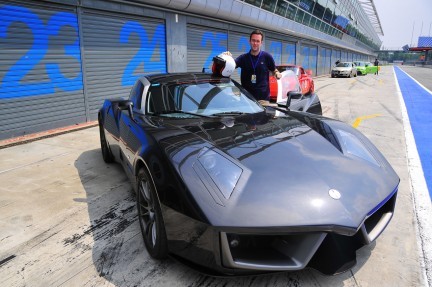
(425, 64)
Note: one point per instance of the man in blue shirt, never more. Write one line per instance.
(256, 66)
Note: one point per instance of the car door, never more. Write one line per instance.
(131, 134)
(110, 124)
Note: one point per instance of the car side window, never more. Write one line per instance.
(159, 99)
(136, 94)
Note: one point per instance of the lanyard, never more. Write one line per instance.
(255, 64)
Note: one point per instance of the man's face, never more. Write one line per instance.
(256, 42)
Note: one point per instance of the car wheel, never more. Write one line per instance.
(106, 151)
(332, 76)
(150, 217)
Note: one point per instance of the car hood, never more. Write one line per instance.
(342, 68)
(276, 171)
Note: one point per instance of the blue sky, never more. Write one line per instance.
(398, 17)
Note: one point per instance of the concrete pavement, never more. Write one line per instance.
(69, 219)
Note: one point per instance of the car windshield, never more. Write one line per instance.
(288, 68)
(360, 64)
(343, 65)
(206, 98)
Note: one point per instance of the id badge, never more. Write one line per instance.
(253, 79)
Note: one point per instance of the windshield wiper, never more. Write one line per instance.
(179, 112)
(231, 113)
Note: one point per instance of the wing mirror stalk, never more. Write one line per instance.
(126, 105)
(292, 95)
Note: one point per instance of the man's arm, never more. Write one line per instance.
(277, 74)
(272, 66)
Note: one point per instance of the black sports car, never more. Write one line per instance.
(231, 187)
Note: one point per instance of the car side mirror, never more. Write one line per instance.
(126, 105)
(292, 95)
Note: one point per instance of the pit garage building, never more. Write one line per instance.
(61, 58)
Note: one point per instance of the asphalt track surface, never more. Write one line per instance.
(69, 219)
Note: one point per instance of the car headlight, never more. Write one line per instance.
(351, 144)
(223, 172)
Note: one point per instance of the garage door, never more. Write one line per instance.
(203, 44)
(325, 61)
(289, 53)
(117, 51)
(40, 73)
(238, 43)
(308, 57)
(274, 47)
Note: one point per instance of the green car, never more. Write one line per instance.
(371, 69)
(364, 68)
(361, 68)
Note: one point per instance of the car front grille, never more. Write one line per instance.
(269, 252)
(329, 252)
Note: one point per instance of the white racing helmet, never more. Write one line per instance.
(223, 65)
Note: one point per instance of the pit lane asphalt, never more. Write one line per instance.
(69, 219)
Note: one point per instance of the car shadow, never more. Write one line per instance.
(118, 253)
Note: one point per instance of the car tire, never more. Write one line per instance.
(107, 155)
(150, 217)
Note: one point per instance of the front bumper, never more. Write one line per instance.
(340, 73)
(237, 251)
(361, 72)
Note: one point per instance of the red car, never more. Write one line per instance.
(304, 76)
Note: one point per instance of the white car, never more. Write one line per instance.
(344, 69)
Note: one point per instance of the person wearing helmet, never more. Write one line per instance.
(256, 66)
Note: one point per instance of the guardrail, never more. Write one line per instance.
(425, 64)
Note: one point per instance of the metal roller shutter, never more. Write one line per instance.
(308, 58)
(203, 44)
(40, 72)
(322, 60)
(325, 61)
(289, 53)
(344, 56)
(117, 50)
(238, 44)
(328, 61)
(304, 56)
(336, 55)
(274, 47)
(313, 59)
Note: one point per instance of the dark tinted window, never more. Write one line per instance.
(160, 99)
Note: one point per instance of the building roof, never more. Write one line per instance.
(370, 10)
